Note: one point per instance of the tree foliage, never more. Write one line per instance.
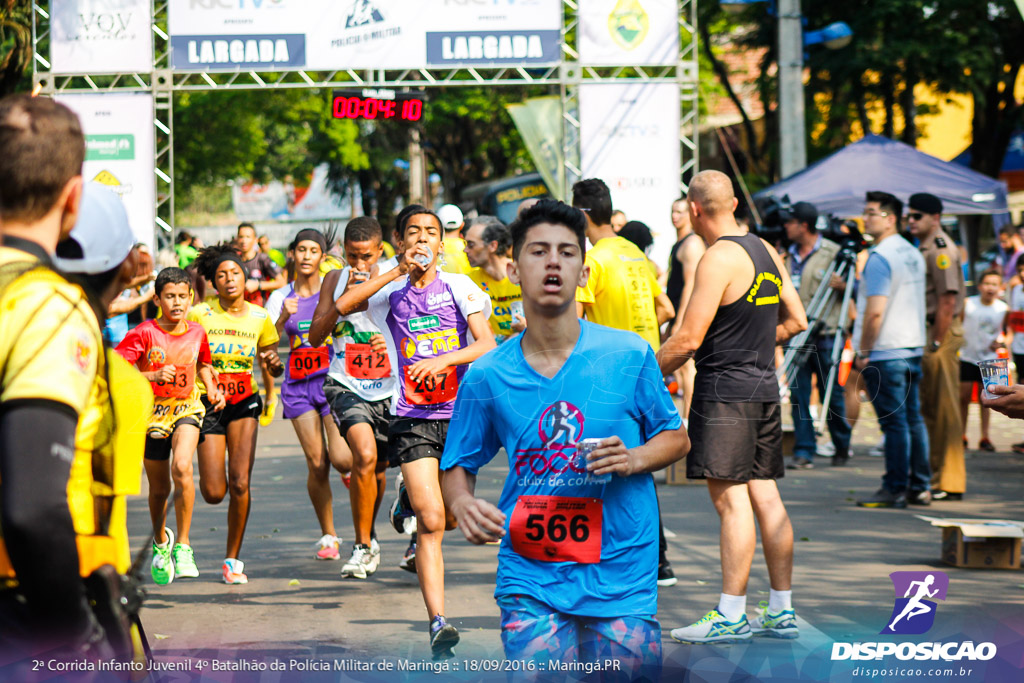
(972, 47)
(15, 45)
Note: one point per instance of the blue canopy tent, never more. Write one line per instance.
(838, 183)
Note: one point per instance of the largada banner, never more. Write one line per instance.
(629, 137)
(210, 35)
(629, 32)
(119, 151)
(101, 36)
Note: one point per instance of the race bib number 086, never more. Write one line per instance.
(237, 386)
(557, 529)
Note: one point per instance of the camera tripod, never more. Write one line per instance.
(819, 310)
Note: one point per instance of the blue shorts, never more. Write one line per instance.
(301, 396)
(619, 648)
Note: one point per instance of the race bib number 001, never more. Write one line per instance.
(362, 361)
(237, 386)
(179, 387)
(557, 529)
(439, 388)
(306, 362)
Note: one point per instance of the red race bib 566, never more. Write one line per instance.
(557, 528)
(306, 362)
(237, 386)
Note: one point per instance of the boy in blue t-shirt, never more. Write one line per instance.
(578, 563)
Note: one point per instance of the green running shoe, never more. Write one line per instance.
(184, 562)
(162, 566)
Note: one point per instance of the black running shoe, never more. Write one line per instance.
(443, 637)
(666, 577)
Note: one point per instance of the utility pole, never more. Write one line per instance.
(792, 133)
(418, 191)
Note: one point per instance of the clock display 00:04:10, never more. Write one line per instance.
(372, 108)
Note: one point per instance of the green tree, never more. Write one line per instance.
(15, 45)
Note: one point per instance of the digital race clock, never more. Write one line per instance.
(377, 104)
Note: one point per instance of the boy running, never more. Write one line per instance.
(578, 562)
(359, 387)
(170, 351)
(426, 318)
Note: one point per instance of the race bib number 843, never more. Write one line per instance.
(557, 529)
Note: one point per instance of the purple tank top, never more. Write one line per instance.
(304, 362)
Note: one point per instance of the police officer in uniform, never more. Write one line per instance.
(944, 296)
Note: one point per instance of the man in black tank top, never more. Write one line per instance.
(685, 256)
(743, 305)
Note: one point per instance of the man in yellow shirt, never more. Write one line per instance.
(621, 292)
(50, 347)
(454, 246)
(487, 243)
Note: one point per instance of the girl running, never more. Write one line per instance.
(303, 389)
(239, 334)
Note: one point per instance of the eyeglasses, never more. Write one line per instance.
(871, 213)
(915, 216)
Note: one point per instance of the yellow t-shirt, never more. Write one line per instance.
(503, 294)
(234, 341)
(621, 289)
(455, 260)
(49, 340)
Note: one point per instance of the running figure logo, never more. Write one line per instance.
(561, 425)
(362, 13)
(914, 612)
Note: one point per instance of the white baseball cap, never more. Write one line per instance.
(451, 216)
(101, 239)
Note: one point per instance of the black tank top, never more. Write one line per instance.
(736, 362)
(674, 284)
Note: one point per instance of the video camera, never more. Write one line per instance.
(845, 233)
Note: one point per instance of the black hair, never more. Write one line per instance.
(171, 276)
(1020, 262)
(363, 229)
(594, 197)
(183, 237)
(638, 233)
(994, 270)
(1008, 230)
(246, 225)
(888, 203)
(549, 211)
(210, 258)
(406, 214)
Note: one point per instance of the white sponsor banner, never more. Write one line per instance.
(119, 151)
(629, 136)
(101, 36)
(621, 32)
(361, 34)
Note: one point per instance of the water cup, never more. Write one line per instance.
(424, 259)
(584, 448)
(360, 276)
(517, 310)
(995, 371)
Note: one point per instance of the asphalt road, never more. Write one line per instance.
(297, 608)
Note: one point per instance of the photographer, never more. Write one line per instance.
(810, 255)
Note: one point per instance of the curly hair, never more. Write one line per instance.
(210, 258)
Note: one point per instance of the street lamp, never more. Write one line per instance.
(792, 41)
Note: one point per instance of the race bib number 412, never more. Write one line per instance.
(557, 529)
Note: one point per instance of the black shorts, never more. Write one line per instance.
(160, 449)
(216, 422)
(350, 409)
(412, 438)
(969, 372)
(735, 441)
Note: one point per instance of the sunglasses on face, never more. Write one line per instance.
(915, 216)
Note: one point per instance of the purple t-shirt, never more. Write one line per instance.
(314, 366)
(424, 323)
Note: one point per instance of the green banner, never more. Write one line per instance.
(109, 147)
(539, 121)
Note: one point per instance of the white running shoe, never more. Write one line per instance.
(781, 624)
(363, 563)
(714, 628)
